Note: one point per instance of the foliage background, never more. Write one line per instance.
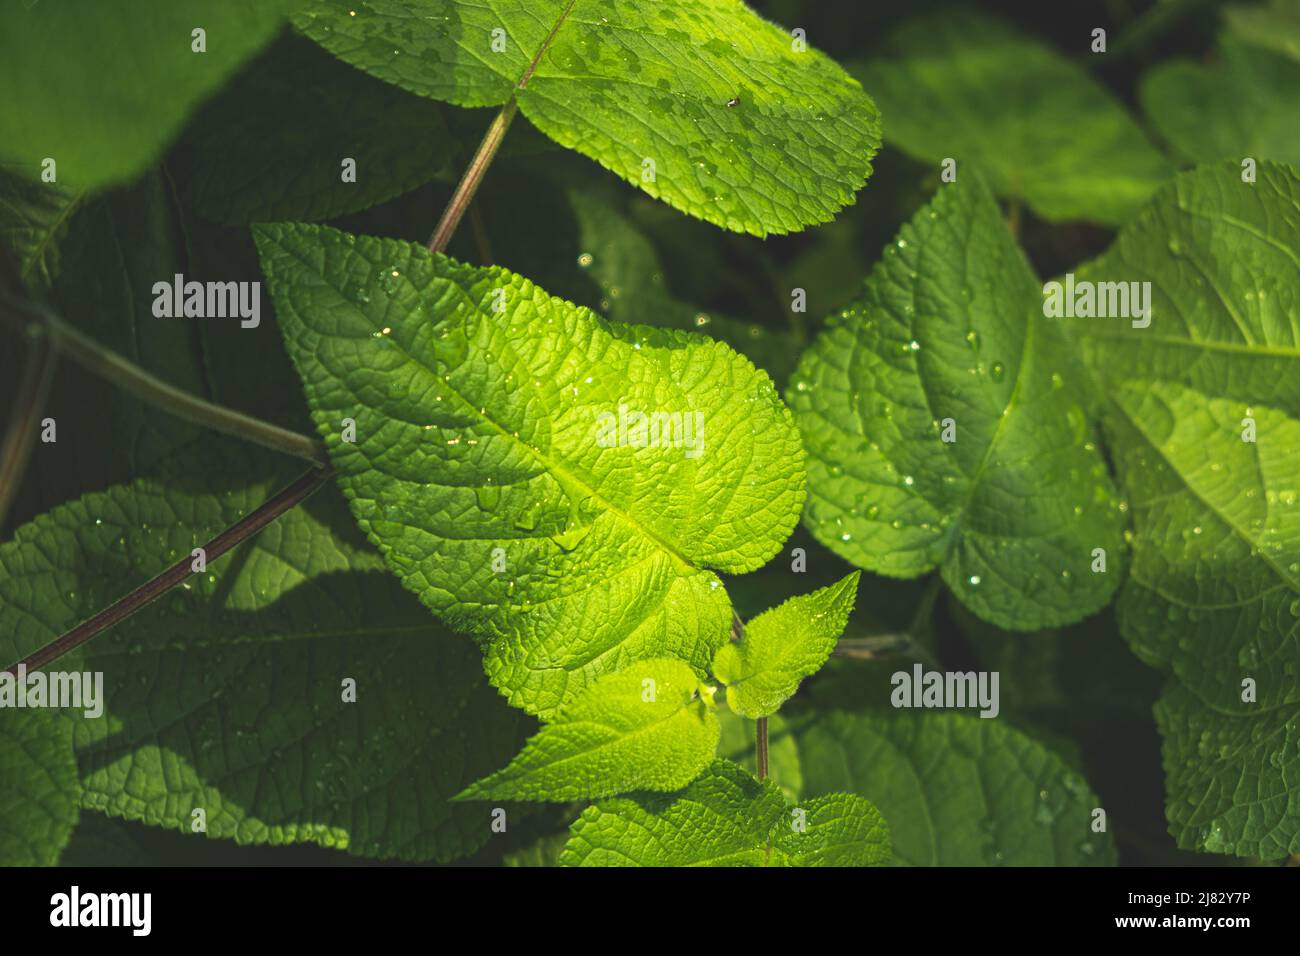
(544, 210)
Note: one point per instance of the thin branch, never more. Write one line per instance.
(761, 746)
(469, 182)
(24, 420)
(120, 371)
(151, 590)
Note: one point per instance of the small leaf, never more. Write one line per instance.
(964, 86)
(783, 646)
(644, 728)
(945, 423)
(490, 469)
(728, 818)
(738, 126)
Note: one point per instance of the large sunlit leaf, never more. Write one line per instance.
(490, 469)
(742, 123)
(949, 341)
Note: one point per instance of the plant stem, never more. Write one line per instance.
(154, 588)
(24, 421)
(120, 371)
(760, 746)
(469, 183)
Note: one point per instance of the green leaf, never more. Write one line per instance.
(300, 114)
(228, 694)
(1243, 106)
(743, 131)
(38, 786)
(1274, 25)
(482, 443)
(964, 86)
(1234, 779)
(957, 790)
(105, 86)
(728, 818)
(33, 222)
(1213, 594)
(783, 646)
(949, 333)
(647, 727)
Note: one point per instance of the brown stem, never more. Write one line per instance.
(154, 588)
(761, 746)
(24, 421)
(469, 182)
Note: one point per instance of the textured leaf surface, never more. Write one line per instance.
(626, 82)
(644, 728)
(33, 221)
(300, 113)
(480, 430)
(728, 818)
(1213, 595)
(957, 790)
(963, 86)
(783, 646)
(38, 786)
(226, 694)
(1243, 106)
(104, 86)
(950, 327)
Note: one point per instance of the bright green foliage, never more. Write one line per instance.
(783, 646)
(228, 694)
(1273, 25)
(1243, 106)
(38, 786)
(648, 727)
(742, 129)
(1204, 426)
(728, 818)
(300, 113)
(482, 443)
(957, 790)
(963, 86)
(104, 86)
(949, 337)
